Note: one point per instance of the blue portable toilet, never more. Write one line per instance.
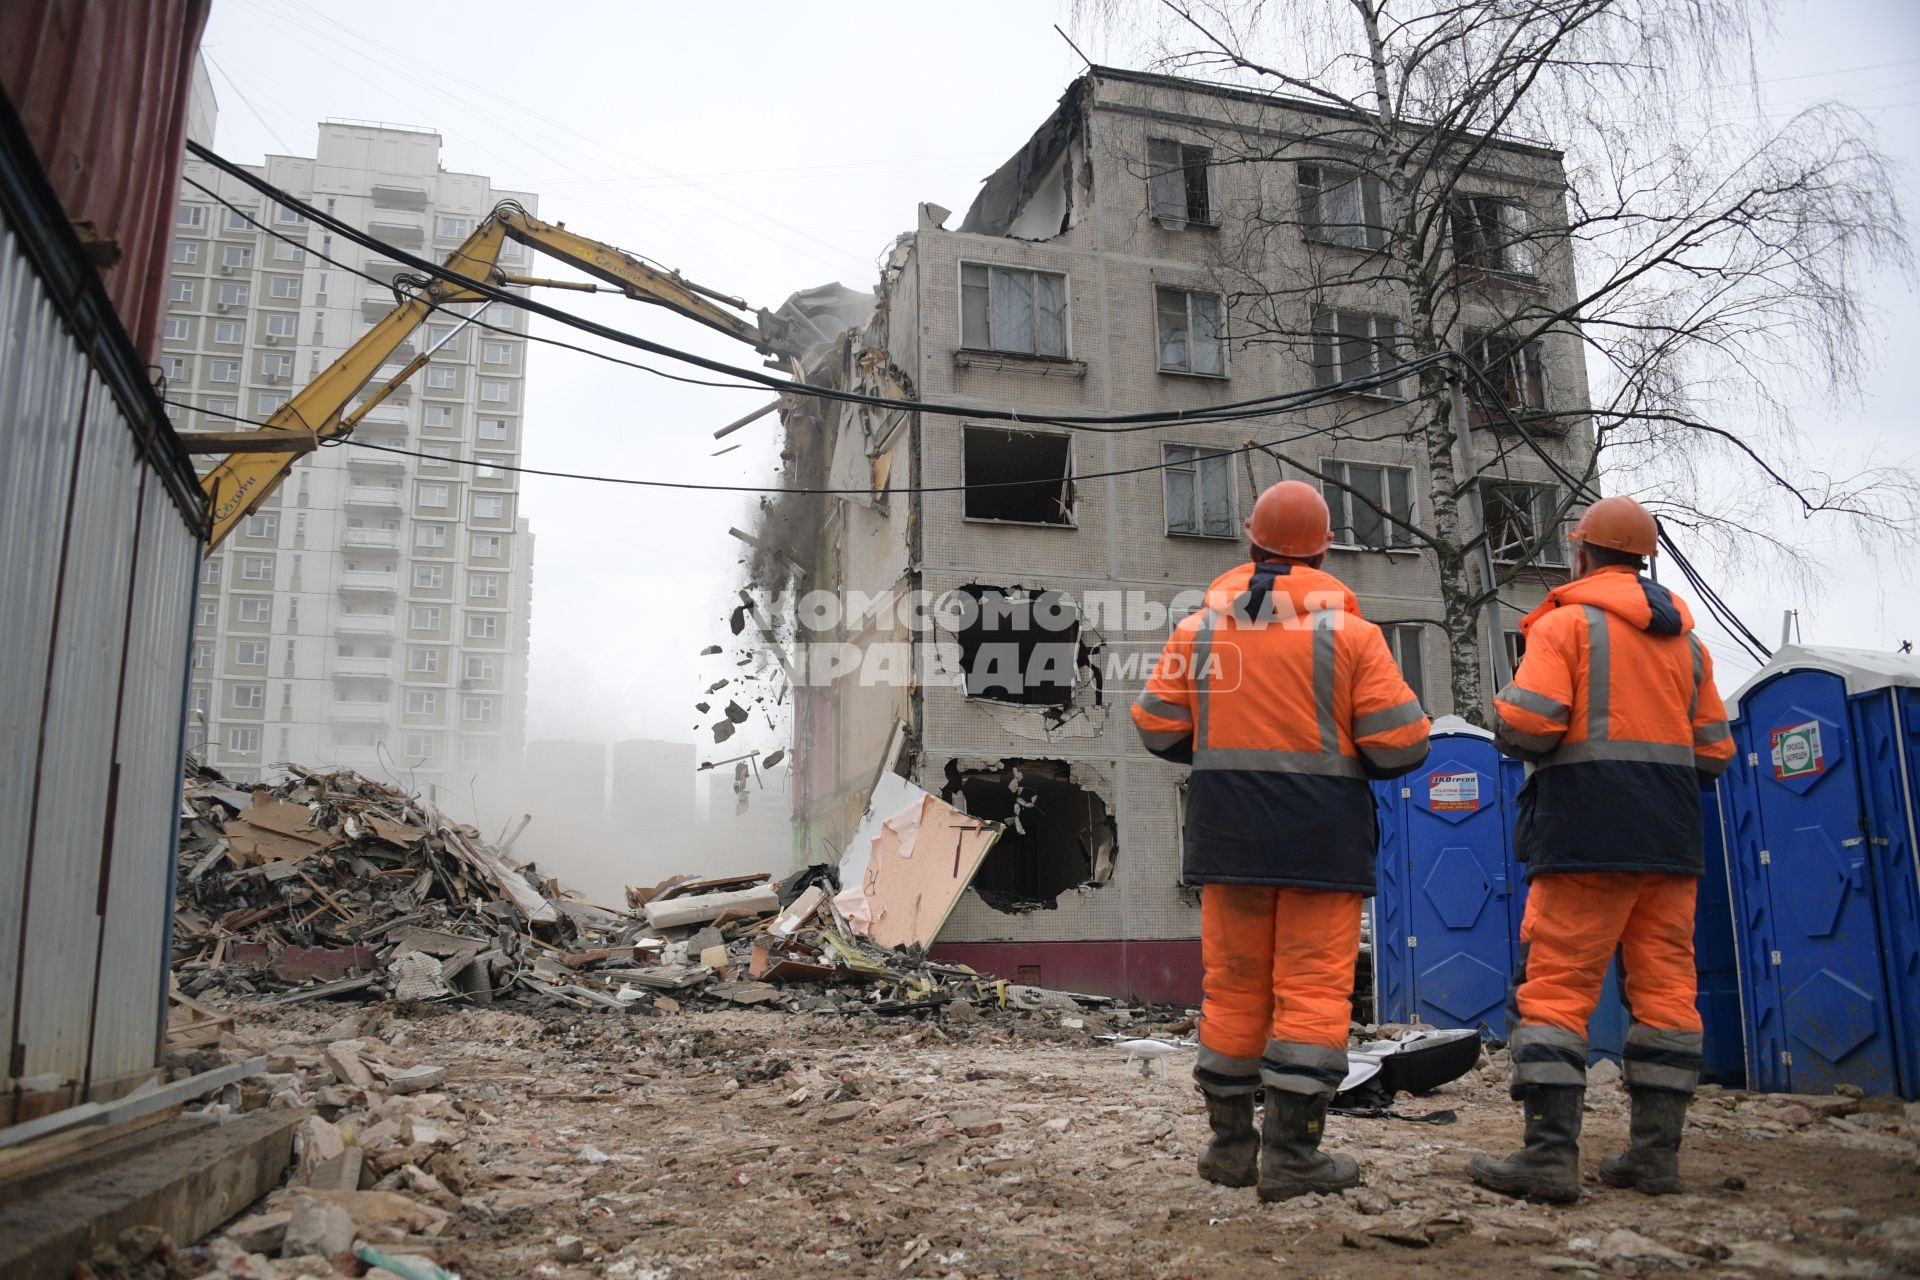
(1449, 897)
(1820, 812)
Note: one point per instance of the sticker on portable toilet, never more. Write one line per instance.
(1796, 751)
(1454, 792)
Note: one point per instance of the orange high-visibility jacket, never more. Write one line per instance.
(1615, 707)
(1285, 701)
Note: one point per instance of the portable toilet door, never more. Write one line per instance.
(1443, 922)
(1806, 874)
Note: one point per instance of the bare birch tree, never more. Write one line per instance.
(1706, 265)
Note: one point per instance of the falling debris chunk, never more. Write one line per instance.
(710, 650)
(723, 730)
(773, 758)
(736, 713)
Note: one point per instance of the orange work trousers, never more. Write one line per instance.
(1573, 923)
(1278, 968)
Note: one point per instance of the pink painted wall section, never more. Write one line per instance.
(101, 89)
(1166, 972)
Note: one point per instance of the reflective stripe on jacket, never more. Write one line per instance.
(1615, 707)
(1285, 701)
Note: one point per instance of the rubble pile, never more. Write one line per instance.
(333, 885)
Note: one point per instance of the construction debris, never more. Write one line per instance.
(331, 885)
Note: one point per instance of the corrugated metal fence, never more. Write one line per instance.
(100, 534)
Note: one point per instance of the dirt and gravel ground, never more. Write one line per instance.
(757, 1142)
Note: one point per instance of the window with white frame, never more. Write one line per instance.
(1350, 345)
(486, 468)
(433, 495)
(256, 568)
(186, 252)
(479, 710)
(1361, 496)
(250, 653)
(249, 697)
(284, 287)
(180, 291)
(223, 408)
(229, 331)
(439, 333)
(483, 626)
(442, 377)
(175, 328)
(280, 325)
(203, 655)
(1006, 309)
(255, 609)
(232, 295)
(429, 535)
(267, 403)
(1340, 206)
(430, 576)
(435, 455)
(441, 417)
(235, 255)
(1192, 332)
(1200, 492)
(190, 215)
(174, 367)
(263, 525)
(1407, 644)
(489, 506)
(479, 668)
(424, 617)
(493, 428)
(483, 586)
(210, 572)
(1517, 372)
(448, 227)
(417, 747)
(206, 613)
(288, 217)
(424, 661)
(285, 252)
(276, 365)
(238, 221)
(1179, 186)
(1494, 233)
(486, 546)
(422, 702)
(496, 353)
(244, 741)
(500, 315)
(493, 392)
(1520, 522)
(223, 370)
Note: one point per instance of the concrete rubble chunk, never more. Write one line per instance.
(343, 1060)
(418, 1079)
(315, 1227)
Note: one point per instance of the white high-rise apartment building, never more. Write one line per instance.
(375, 612)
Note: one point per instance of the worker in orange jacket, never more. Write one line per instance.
(1285, 701)
(1615, 710)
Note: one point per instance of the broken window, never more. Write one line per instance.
(1199, 492)
(1193, 335)
(1339, 206)
(1059, 835)
(1353, 344)
(1495, 235)
(1025, 477)
(1515, 515)
(1179, 190)
(1407, 651)
(1357, 493)
(1019, 646)
(1003, 309)
(1517, 374)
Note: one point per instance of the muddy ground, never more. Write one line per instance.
(755, 1142)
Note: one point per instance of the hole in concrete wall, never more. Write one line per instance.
(1059, 835)
(1019, 646)
(1029, 475)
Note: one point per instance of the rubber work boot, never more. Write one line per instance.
(1291, 1162)
(1651, 1162)
(1232, 1158)
(1548, 1167)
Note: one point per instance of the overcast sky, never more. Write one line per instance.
(765, 148)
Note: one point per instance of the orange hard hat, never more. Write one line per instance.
(1621, 524)
(1291, 519)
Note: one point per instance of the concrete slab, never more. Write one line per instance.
(183, 1176)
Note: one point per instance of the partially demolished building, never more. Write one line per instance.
(989, 594)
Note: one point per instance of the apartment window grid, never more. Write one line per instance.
(1348, 345)
(1201, 499)
(1407, 643)
(1341, 207)
(1012, 310)
(1192, 333)
(1516, 516)
(1358, 493)
(424, 662)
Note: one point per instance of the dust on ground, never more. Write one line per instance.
(747, 1142)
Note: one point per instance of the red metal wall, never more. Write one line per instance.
(101, 86)
(1166, 972)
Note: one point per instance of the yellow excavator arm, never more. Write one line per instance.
(260, 459)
